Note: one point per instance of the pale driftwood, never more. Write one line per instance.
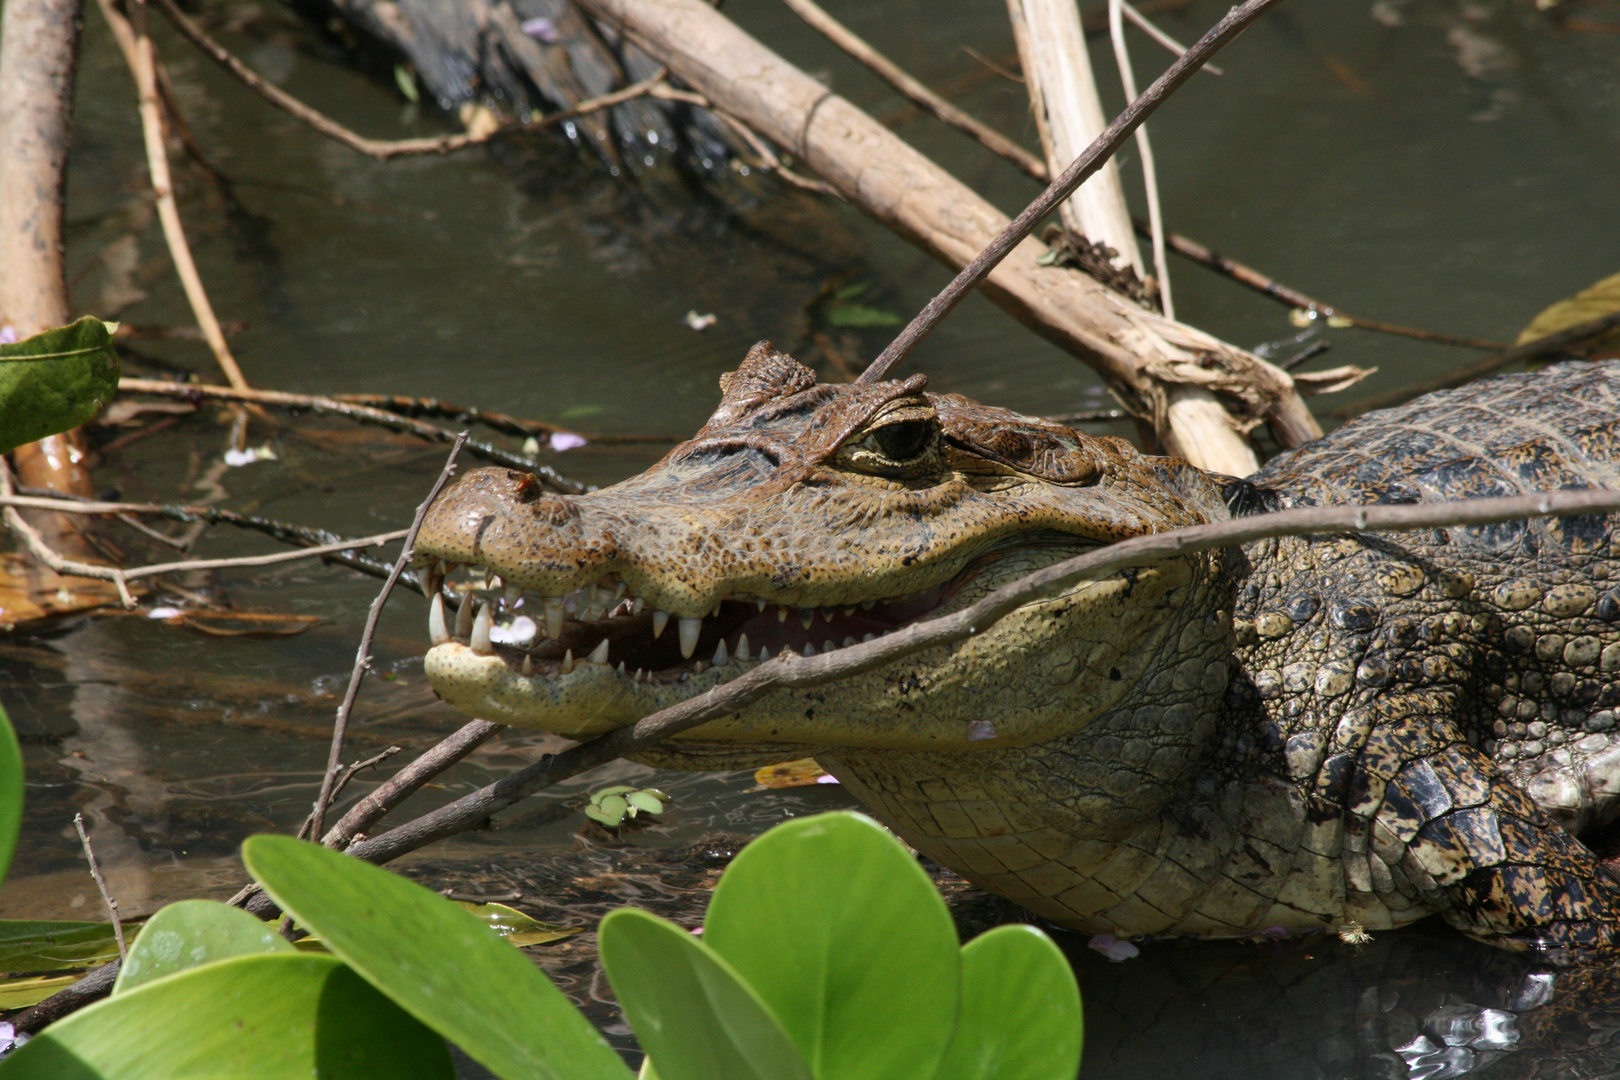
(1144, 146)
(1069, 115)
(1141, 355)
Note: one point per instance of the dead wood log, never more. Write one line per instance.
(1141, 355)
(38, 47)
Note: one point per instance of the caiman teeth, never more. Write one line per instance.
(660, 620)
(438, 633)
(528, 665)
(567, 665)
(742, 647)
(599, 655)
(480, 632)
(552, 606)
(690, 629)
(720, 656)
(464, 616)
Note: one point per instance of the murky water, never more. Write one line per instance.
(1443, 164)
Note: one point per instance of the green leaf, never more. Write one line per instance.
(517, 928)
(11, 792)
(645, 802)
(439, 963)
(1020, 1017)
(405, 79)
(191, 933)
(276, 1017)
(616, 789)
(19, 992)
(56, 380)
(859, 315)
(1588, 304)
(843, 935)
(31, 946)
(694, 1016)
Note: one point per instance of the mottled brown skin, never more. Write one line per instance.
(1307, 733)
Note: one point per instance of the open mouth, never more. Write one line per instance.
(541, 636)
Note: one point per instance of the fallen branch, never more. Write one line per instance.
(362, 655)
(362, 413)
(405, 783)
(1558, 342)
(384, 149)
(1139, 353)
(1095, 156)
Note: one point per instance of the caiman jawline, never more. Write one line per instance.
(543, 637)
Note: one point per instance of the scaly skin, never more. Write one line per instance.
(1307, 733)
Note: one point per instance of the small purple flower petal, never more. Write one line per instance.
(1112, 947)
(544, 29)
(8, 335)
(566, 440)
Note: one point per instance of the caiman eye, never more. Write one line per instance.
(903, 441)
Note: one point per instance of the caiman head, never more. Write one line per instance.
(805, 518)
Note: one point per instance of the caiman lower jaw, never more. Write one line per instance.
(596, 659)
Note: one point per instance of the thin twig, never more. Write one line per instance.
(1144, 147)
(106, 897)
(1158, 35)
(791, 670)
(361, 413)
(497, 421)
(1095, 155)
(895, 76)
(384, 149)
(37, 499)
(143, 64)
(1095, 416)
(349, 772)
(1260, 283)
(362, 656)
(1558, 342)
(36, 545)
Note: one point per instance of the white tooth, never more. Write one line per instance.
(742, 647)
(636, 606)
(590, 614)
(528, 665)
(868, 637)
(809, 649)
(690, 629)
(848, 612)
(827, 646)
(806, 617)
(464, 616)
(567, 663)
(489, 576)
(716, 610)
(720, 656)
(699, 668)
(828, 613)
(621, 667)
(619, 591)
(660, 620)
(599, 654)
(868, 605)
(848, 642)
(552, 606)
(513, 594)
(764, 655)
(781, 614)
(436, 629)
(637, 677)
(761, 602)
(480, 632)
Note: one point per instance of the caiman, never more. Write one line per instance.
(1320, 732)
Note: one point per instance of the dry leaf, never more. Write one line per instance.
(1588, 304)
(800, 773)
